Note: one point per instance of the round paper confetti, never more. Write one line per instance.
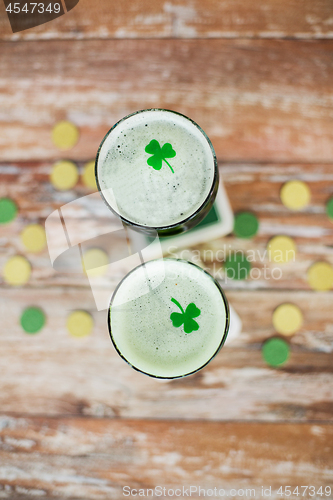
(329, 208)
(32, 320)
(275, 351)
(320, 276)
(17, 270)
(80, 324)
(287, 319)
(282, 249)
(295, 195)
(64, 175)
(94, 260)
(237, 267)
(246, 225)
(65, 135)
(88, 175)
(33, 238)
(8, 210)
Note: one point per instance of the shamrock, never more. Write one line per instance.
(159, 154)
(185, 317)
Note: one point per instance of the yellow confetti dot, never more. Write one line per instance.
(80, 324)
(17, 270)
(282, 249)
(320, 276)
(64, 175)
(295, 195)
(95, 261)
(88, 175)
(33, 238)
(65, 135)
(287, 319)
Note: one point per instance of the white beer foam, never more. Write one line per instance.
(156, 198)
(143, 331)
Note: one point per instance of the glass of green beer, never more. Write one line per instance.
(168, 318)
(157, 170)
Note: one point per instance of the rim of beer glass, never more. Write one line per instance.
(170, 227)
(223, 337)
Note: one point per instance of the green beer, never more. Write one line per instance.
(157, 170)
(168, 318)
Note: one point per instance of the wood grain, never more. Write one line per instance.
(76, 422)
(257, 100)
(253, 187)
(195, 19)
(42, 372)
(52, 373)
(97, 458)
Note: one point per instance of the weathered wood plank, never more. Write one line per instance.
(195, 19)
(251, 187)
(96, 458)
(315, 335)
(43, 374)
(257, 100)
(55, 374)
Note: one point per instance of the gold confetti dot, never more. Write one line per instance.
(33, 238)
(320, 276)
(88, 175)
(65, 135)
(95, 262)
(80, 324)
(282, 249)
(17, 270)
(64, 175)
(295, 195)
(287, 319)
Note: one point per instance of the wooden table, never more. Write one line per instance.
(76, 422)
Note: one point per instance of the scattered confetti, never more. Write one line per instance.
(246, 225)
(287, 319)
(95, 261)
(65, 135)
(17, 270)
(320, 276)
(80, 324)
(33, 238)
(281, 249)
(275, 351)
(295, 195)
(237, 267)
(64, 175)
(8, 210)
(32, 320)
(88, 175)
(329, 208)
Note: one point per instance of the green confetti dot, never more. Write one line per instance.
(32, 320)
(275, 351)
(8, 210)
(329, 208)
(246, 225)
(237, 267)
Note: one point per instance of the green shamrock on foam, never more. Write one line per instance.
(159, 154)
(185, 317)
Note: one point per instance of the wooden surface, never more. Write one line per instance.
(98, 458)
(259, 100)
(184, 19)
(75, 421)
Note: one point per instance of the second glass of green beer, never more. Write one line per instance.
(168, 318)
(157, 170)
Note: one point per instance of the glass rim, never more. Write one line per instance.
(141, 227)
(223, 337)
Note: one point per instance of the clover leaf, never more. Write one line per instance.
(159, 154)
(185, 317)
